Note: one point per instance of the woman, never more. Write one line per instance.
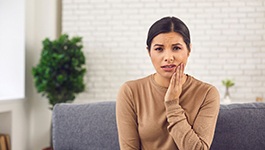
(167, 110)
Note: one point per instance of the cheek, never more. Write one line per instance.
(182, 58)
(155, 60)
(153, 57)
(185, 60)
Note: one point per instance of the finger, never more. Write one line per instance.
(183, 68)
(173, 80)
(177, 75)
(181, 72)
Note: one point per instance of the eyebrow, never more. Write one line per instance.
(176, 44)
(158, 45)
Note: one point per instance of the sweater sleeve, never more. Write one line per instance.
(200, 135)
(127, 120)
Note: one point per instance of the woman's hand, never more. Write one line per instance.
(175, 86)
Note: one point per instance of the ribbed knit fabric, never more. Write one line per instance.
(146, 122)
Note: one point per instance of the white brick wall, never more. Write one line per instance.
(228, 39)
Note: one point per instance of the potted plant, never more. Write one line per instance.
(60, 72)
(59, 75)
(227, 83)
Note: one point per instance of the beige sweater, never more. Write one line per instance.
(146, 122)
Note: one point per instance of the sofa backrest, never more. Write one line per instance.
(93, 127)
(85, 126)
(240, 127)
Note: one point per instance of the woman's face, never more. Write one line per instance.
(167, 51)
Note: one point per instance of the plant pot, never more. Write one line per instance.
(227, 98)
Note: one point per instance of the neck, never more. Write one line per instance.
(164, 82)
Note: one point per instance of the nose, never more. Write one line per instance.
(169, 58)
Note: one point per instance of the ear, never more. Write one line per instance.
(190, 50)
(148, 51)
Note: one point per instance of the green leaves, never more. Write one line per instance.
(60, 71)
(228, 83)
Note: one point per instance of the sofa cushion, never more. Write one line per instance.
(85, 126)
(240, 127)
(93, 127)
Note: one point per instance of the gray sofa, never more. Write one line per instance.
(93, 127)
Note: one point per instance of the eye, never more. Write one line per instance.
(175, 48)
(158, 49)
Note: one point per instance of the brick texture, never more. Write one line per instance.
(228, 38)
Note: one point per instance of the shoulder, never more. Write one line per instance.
(204, 88)
(211, 93)
(203, 85)
(128, 90)
(138, 82)
(132, 85)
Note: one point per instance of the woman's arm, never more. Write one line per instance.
(127, 120)
(200, 135)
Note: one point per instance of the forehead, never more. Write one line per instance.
(167, 38)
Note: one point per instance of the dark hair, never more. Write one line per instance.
(168, 24)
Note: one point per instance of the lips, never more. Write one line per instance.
(168, 68)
